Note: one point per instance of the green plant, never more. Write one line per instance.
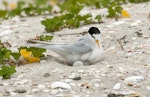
(7, 71)
(46, 38)
(37, 7)
(114, 9)
(37, 52)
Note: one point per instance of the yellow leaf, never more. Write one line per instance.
(33, 59)
(12, 6)
(28, 56)
(125, 14)
(53, 2)
(25, 54)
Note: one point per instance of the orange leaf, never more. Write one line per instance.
(33, 59)
(12, 6)
(25, 54)
(125, 14)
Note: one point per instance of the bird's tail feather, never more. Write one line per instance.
(45, 46)
(43, 42)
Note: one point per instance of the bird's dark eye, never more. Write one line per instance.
(94, 30)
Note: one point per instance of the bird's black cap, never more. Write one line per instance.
(94, 30)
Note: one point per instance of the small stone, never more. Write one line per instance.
(123, 92)
(76, 78)
(76, 96)
(54, 92)
(122, 70)
(134, 95)
(40, 86)
(5, 84)
(110, 26)
(35, 90)
(21, 82)
(42, 61)
(117, 86)
(46, 90)
(97, 85)
(148, 88)
(68, 80)
(78, 63)
(81, 71)
(119, 22)
(59, 95)
(12, 93)
(56, 9)
(21, 76)
(20, 91)
(112, 95)
(134, 24)
(29, 96)
(6, 32)
(46, 75)
(6, 93)
(62, 85)
(134, 79)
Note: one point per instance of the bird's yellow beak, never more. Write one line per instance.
(97, 42)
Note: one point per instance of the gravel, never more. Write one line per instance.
(124, 70)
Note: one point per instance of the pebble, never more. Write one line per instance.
(6, 93)
(110, 26)
(20, 90)
(112, 95)
(80, 71)
(97, 85)
(134, 24)
(122, 70)
(148, 88)
(21, 82)
(76, 78)
(35, 90)
(5, 84)
(12, 93)
(21, 76)
(119, 22)
(76, 96)
(68, 80)
(124, 92)
(29, 96)
(117, 86)
(40, 86)
(59, 95)
(60, 85)
(54, 92)
(43, 61)
(56, 9)
(6, 32)
(78, 63)
(134, 79)
(46, 90)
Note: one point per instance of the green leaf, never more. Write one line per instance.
(4, 54)
(98, 18)
(37, 52)
(5, 3)
(52, 24)
(46, 38)
(7, 71)
(16, 55)
(3, 14)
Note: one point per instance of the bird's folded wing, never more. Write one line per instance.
(81, 46)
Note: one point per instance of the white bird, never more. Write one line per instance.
(87, 50)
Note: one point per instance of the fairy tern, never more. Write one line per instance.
(87, 49)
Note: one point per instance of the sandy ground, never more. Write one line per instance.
(97, 80)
